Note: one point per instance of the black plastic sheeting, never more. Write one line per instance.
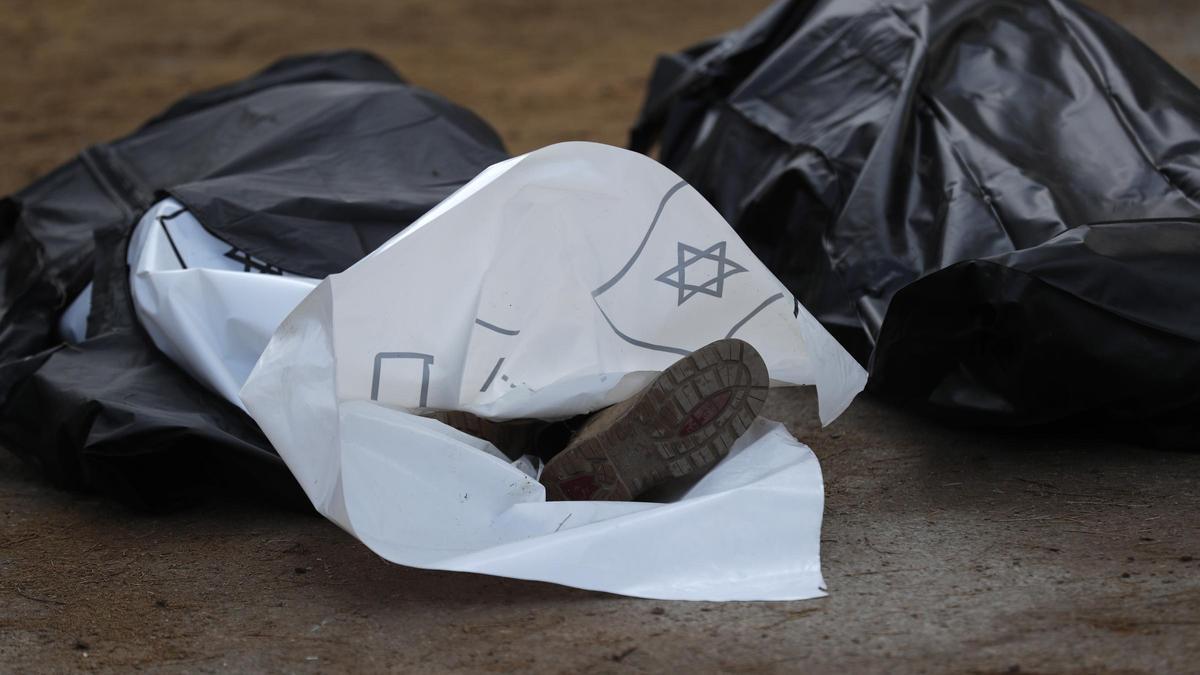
(993, 202)
(308, 165)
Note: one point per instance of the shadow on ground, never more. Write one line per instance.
(944, 550)
(940, 546)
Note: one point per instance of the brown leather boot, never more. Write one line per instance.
(512, 437)
(680, 425)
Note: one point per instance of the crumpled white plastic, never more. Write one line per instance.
(204, 303)
(609, 267)
(553, 284)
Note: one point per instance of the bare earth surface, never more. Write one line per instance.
(944, 549)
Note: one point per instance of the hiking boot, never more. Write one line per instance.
(514, 438)
(679, 425)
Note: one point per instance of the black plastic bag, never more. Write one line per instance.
(307, 166)
(994, 203)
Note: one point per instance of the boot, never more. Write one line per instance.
(680, 425)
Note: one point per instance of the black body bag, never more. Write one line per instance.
(993, 204)
(308, 166)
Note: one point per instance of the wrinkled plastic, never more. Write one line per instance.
(997, 199)
(554, 284)
(299, 170)
(212, 314)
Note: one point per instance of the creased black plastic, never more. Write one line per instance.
(929, 177)
(308, 165)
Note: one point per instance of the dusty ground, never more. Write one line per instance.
(944, 550)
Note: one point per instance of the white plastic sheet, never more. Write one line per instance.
(207, 305)
(553, 284)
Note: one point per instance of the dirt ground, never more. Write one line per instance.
(944, 549)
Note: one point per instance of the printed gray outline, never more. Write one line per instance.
(609, 284)
(491, 377)
(752, 314)
(661, 205)
(492, 326)
(162, 222)
(638, 343)
(426, 358)
(686, 290)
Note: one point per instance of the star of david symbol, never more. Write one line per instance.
(688, 256)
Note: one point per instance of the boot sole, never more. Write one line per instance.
(681, 425)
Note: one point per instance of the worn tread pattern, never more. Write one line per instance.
(681, 424)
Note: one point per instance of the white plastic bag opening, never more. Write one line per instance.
(553, 284)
